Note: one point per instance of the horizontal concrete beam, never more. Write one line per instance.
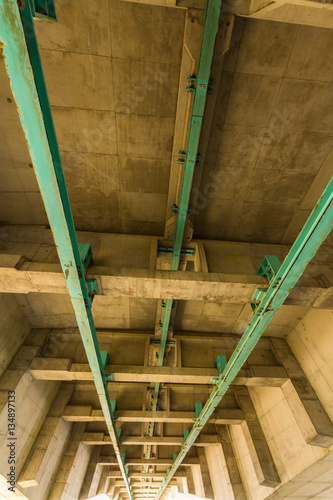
(228, 416)
(111, 461)
(93, 438)
(18, 276)
(62, 369)
(154, 485)
(145, 475)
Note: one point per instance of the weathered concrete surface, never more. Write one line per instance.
(270, 149)
(14, 328)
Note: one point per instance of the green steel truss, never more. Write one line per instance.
(28, 86)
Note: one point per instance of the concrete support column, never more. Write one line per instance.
(311, 417)
(204, 469)
(15, 327)
(48, 448)
(95, 481)
(103, 480)
(111, 487)
(189, 481)
(231, 462)
(89, 476)
(180, 485)
(116, 493)
(260, 453)
(32, 399)
(72, 469)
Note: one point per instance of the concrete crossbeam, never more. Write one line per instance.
(18, 276)
(229, 416)
(160, 461)
(101, 439)
(146, 475)
(62, 369)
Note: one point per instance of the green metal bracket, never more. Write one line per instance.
(87, 260)
(269, 266)
(158, 341)
(104, 358)
(129, 479)
(198, 409)
(185, 434)
(127, 471)
(169, 251)
(123, 456)
(258, 295)
(109, 377)
(221, 363)
(174, 456)
(92, 288)
(118, 433)
(113, 404)
(167, 471)
(85, 254)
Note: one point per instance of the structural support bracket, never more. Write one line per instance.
(269, 267)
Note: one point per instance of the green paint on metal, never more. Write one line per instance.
(269, 266)
(189, 158)
(169, 251)
(104, 358)
(198, 409)
(29, 91)
(221, 363)
(314, 232)
(85, 254)
(198, 106)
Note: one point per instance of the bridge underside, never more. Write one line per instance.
(122, 87)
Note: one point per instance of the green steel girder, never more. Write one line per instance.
(210, 26)
(190, 157)
(314, 232)
(27, 82)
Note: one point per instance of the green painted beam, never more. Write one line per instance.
(314, 232)
(42, 146)
(210, 26)
(209, 31)
(197, 111)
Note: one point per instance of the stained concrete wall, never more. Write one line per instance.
(311, 343)
(33, 399)
(14, 328)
